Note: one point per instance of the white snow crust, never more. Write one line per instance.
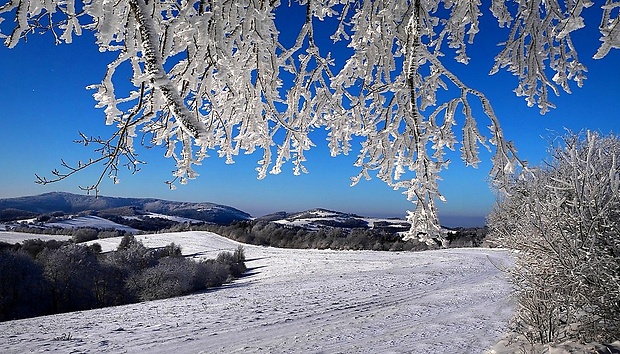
(298, 301)
(90, 221)
(176, 218)
(18, 237)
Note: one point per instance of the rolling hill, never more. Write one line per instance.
(318, 218)
(68, 203)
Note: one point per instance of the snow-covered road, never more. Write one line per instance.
(299, 301)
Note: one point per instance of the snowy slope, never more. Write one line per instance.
(316, 219)
(174, 218)
(18, 237)
(448, 301)
(75, 203)
(90, 221)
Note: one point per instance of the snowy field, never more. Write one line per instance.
(298, 301)
(18, 237)
(90, 221)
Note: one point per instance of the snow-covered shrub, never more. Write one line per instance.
(43, 277)
(239, 255)
(171, 277)
(35, 246)
(234, 261)
(126, 241)
(110, 284)
(170, 250)
(85, 234)
(132, 255)
(563, 218)
(210, 274)
(174, 275)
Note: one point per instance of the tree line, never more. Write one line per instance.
(77, 234)
(47, 277)
(265, 233)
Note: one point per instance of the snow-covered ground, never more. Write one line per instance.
(90, 221)
(298, 301)
(314, 219)
(18, 237)
(171, 218)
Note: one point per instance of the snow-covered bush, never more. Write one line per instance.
(234, 261)
(85, 234)
(132, 255)
(218, 78)
(211, 274)
(41, 278)
(563, 218)
(171, 277)
(170, 250)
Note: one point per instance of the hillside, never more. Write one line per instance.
(307, 301)
(315, 219)
(23, 207)
(87, 218)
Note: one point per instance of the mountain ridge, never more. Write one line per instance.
(11, 208)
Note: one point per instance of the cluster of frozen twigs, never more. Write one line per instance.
(214, 76)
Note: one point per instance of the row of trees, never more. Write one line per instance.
(272, 234)
(264, 233)
(42, 278)
(564, 219)
(146, 223)
(79, 234)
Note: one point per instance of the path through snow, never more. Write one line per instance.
(298, 301)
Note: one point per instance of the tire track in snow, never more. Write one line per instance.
(311, 301)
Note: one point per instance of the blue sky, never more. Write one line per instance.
(44, 103)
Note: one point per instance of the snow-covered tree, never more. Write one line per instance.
(213, 76)
(564, 219)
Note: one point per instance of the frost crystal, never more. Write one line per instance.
(213, 76)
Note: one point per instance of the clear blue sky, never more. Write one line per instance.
(44, 103)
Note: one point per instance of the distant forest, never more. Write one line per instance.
(264, 233)
(267, 233)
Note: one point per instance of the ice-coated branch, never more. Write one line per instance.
(214, 77)
(610, 28)
(111, 150)
(539, 45)
(155, 70)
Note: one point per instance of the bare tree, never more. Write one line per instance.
(211, 76)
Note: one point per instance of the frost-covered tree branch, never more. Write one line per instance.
(563, 219)
(214, 76)
(540, 44)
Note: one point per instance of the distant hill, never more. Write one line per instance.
(23, 207)
(49, 212)
(315, 219)
(324, 219)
